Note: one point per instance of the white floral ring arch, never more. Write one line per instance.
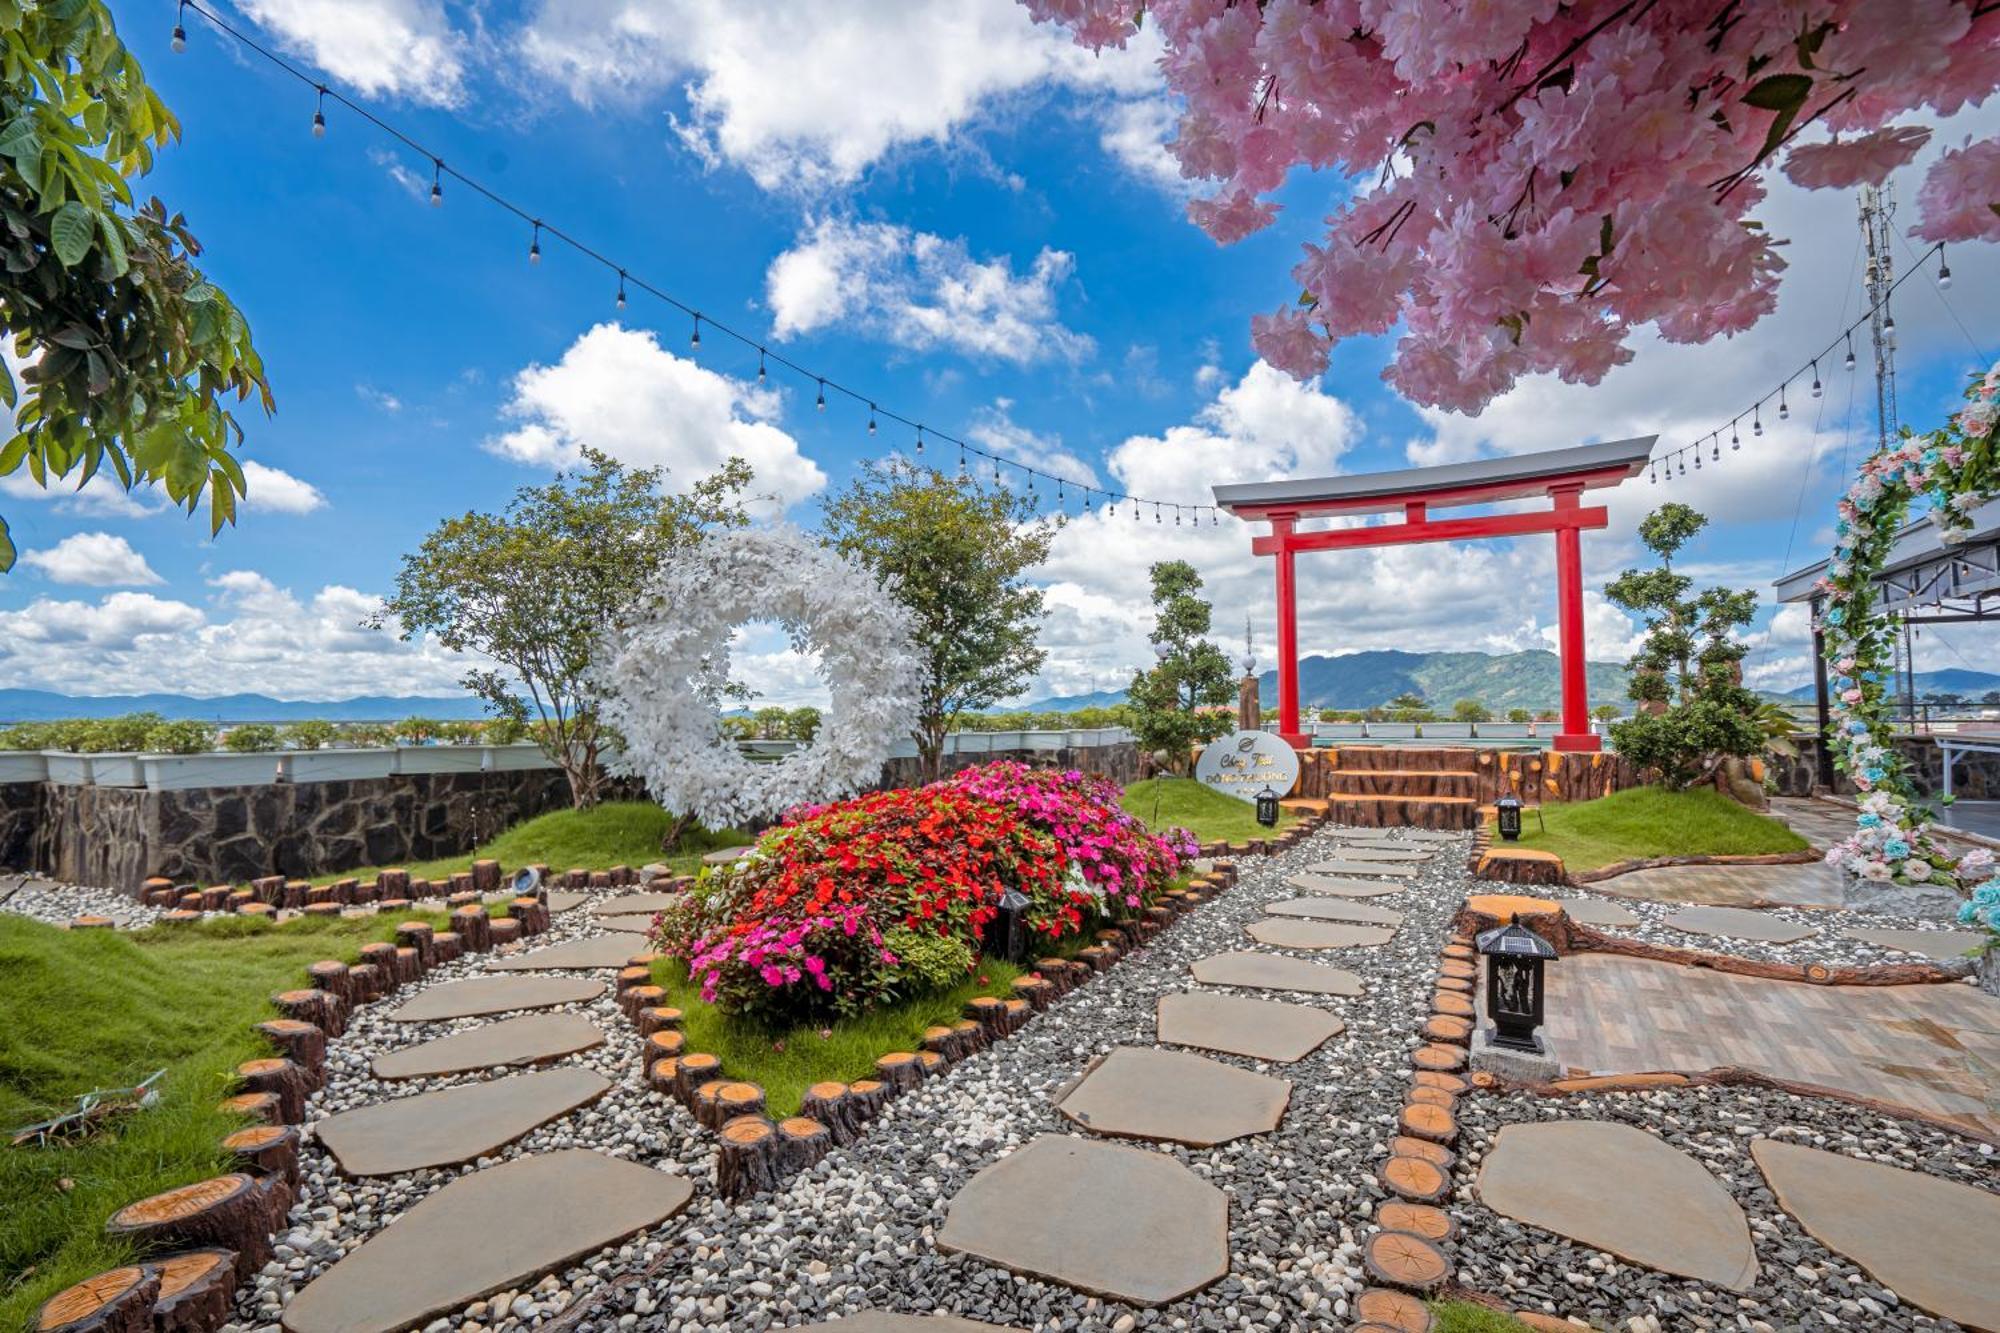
(661, 677)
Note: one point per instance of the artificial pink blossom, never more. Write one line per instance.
(1960, 193)
(1843, 164)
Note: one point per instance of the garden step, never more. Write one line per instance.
(1303, 933)
(1271, 971)
(455, 1125)
(1240, 1025)
(1350, 869)
(1139, 1092)
(1404, 758)
(495, 995)
(486, 1232)
(1423, 812)
(1336, 909)
(1402, 782)
(592, 951)
(534, 1039)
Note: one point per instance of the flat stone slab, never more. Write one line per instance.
(1128, 1224)
(494, 995)
(1297, 933)
(1382, 851)
(531, 1040)
(485, 1232)
(455, 1125)
(1137, 1092)
(627, 925)
(1400, 835)
(882, 1321)
(1599, 912)
(1342, 888)
(1738, 923)
(1241, 1025)
(591, 951)
(1619, 1189)
(1271, 971)
(635, 904)
(1927, 1239)
(1350, 866)
(1336, 909)
(1941, 946)
(565, 900)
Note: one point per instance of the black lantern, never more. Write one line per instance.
(1006, 935)
(528, 883)
(1514, 957)
(1267, 808)
(1508, 810)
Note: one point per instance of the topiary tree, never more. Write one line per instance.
(251, 738)
(1471, 710)
(1520, 715)
(802, 723)
(312, 734)
(183, 737)
(1180, 700)
(1694, 714)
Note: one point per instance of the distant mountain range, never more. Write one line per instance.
(46, 706)
(1968, 685)
(1366, 680)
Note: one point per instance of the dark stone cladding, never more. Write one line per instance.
(1975, 777)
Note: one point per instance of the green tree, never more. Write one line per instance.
(129, 354)
(1694, 714)
(1519, 715)
(802, 723)
(1179, 699)
(535, 588)
(1604, 712)
(956, 555)
(251, 738)
(1409, 706)
(772, 722)
(1471, 710)
(183, 737)
(311, 734)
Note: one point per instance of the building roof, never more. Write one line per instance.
(1481, 481)
(1922, 571)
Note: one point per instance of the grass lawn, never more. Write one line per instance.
(786, 1063)
(1651, 821)
(102, 1009)
(615, 833)
(1211, 816)
(1465, 1317)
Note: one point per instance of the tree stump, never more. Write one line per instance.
(215, 898)
(1415, 1179)
(635, 998)
(505, 931)
(1017, 1015)
(971, 1035)
(117, 1301)
(301, 1043)
(393, 883)
(833, 1106)
(154, 884)
(269, 889)
(1450, 1029)
(420, 936)
(653, 1017)
(190, 902)
(659, 1045)
(460, 882)
(1439, 1156)
(1422, 1121)
(986, 1010)
(422, 890)
(1433, 1096)
(867, 1096)
(723, 1100)
(1055, 971)
(600, 879)
(1419, 1219)
(628, 977)
(1451, 1083)
(644, 959)
(409, 966)
(1395, 1310)
(1098, 956)
(1453, 1004)
(283, 1079)
(323, 1009)
(802, 1141)
(236, 1211)
(197, 1291)
(447, 946)
(261, 911)
(747, 1159)
(486, 877)
(179, 916)
(267, 1150)
(264, 1106)
(297, 892)
(899, 1071)
(241, 898)
(1036, 991)
(382, 957)
(930, 1064)
(624, 876)
(1444, 1059)
(1400, 1259)
(369, 983)
(367, 891)
(695, 1069)
(576, 877)
(325, 911)
(664, 1076)
(471, 925)
(531, 912)
(394, 906)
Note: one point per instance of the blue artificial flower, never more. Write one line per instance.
(1875, 775)
(1870, 821)
(1841, 527)
(1895, 849)
(1836, 616)
(1968, 913)
(1857, 728)
(1987, 894)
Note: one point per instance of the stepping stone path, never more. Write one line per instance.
(1238, 1025)
(495, 995)
(1928, 1240)
(1353, 867)
(1125, 1223)
(1375, 851)
(1270, 971)
(1407, 835)
(565, 900)
(1940, 946)
(635, 904)
(592, 951)
(1295, 933)
(455, 1125)
(1137, 1092)
(483, 1233)
(1342, 888)
(1335, 909)
(1738, 923)
(881, 1321)
(1598, 912)
(1620, 1189)
(535, 1039)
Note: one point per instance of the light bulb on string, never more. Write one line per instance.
(1135, 511)
(621, 289)
(1156, 512)
(819, 403)
(1944, 271)
(1684, 463)
(996, 473)
(1848, 360)
(1177, 515)
(180, 38)
(1889, 329)
(319, 112)
(1652, 475)
(1815, 388)
(1784, 408)
(694, 340)
(535, 246)
(1756, 424)
(871, 418)
(1697, 460)
(762, 374)
(437, 182)
(1214, 519)
(920, 433)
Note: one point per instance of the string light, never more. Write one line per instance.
(535, 252)
(621, 289)
(1816, 391)
(820, 402)
(1652, 475)
(1848, 360)
(694, 341)
(180, 38)
(1784, 408)
(1889, 330)
(761, 376)
(319, 114)
(920, 436)
(1756, 424)
(1944, 272)
(437, 182)
(871, 418)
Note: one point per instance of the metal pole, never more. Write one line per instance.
(1822, 705)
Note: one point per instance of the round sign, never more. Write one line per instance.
(1243, 764)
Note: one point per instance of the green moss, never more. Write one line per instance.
(1212, 817)
(1652, 821)
(1465, 1317)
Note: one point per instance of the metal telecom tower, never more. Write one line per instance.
(1878, 211)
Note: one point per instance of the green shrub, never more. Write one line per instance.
(929, 962)
(186, 736)
(30, 736)
(417, 730)
(503, 731)
(312, 734)
(251, 738)
(370, 734)
(105, 735)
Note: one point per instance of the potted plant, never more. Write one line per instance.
(1983, 909)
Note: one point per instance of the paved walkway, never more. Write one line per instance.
(1934, 1049)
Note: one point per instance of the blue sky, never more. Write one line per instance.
(934, 201)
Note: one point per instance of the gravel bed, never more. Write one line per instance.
(60, 904)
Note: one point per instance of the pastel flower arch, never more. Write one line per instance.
(1954, 469)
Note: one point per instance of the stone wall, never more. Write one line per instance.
(1118, 762)
(1975, 777)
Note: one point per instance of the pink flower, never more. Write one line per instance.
(1867, 159)
(1959, 194)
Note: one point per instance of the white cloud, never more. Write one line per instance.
(277, 491)
(1135, 133)
(93, 559)
(100, 497)
(920, 291)
(994, 430)
(618, 391)
(119, 624)
(808, 97)
(381, 398)
(397, 48)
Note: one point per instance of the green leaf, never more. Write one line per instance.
(70, 233)
(6, 547)
(1780, 92)
(112, 230)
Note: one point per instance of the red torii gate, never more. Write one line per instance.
(1561, 475)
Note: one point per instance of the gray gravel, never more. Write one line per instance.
(59, 904)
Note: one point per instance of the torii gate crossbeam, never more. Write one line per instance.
(1560, 476)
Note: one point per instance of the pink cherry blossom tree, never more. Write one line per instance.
(1536, 177)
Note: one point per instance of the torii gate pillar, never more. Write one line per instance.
(1560, 476)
